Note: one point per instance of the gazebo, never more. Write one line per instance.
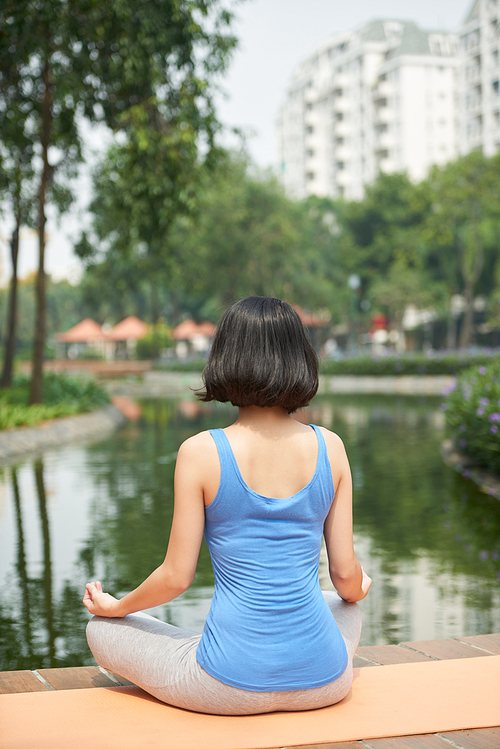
(117, 343)
(85, 335)
(125, 335)
(193, 337)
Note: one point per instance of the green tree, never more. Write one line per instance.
(248, 238)
(142, 68)
(381, 238)
(393, 292)
(17, 200)
(462, 229)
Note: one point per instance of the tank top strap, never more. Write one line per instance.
(324, 468)
(322, 451)
(226, 456)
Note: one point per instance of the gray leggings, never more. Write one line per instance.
(161, 659)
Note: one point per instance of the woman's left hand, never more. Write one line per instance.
(99, 603)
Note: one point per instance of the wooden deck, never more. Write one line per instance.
(480, 646)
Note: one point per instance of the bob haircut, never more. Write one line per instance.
(261, 356)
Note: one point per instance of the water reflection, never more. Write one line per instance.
(430, 540)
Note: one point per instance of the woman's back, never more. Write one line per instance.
(263, 493)
(269, 628)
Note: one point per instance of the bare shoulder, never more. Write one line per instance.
(200, 441)
(332, 440)
(197, 449)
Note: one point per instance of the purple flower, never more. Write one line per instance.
(443, 407)
(498, 575)
(494, 416)
(482, 370)
(467, 473)
(462, 443)
(494, 556)
(494, 429)
(484, 401)
(480, 411)
(483, 556)
(463, 427)
(458, 537)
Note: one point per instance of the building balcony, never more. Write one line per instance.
(343, 153)
(342, 177)
(341, 128)
(383, 90)
(383, 115)
(341, 104)
(384, 142)
(386, 165)
(340, 80)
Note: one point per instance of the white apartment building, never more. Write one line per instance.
(479, 79)
(382, 98)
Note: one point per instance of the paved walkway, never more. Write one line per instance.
(479, 646)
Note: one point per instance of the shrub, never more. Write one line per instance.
(156, 340)
(62, 396)
(473, 414)
(418, 363)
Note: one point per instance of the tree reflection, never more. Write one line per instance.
(31, 619)
(21, 569)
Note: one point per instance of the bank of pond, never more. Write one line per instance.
(427, 536)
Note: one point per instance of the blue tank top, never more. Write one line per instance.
(269, 628)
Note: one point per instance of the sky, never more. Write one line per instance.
(274, 37)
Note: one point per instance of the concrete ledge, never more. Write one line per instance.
(83, 427)
(158, 384)
(391, 385)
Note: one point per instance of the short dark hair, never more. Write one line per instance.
(261, 356)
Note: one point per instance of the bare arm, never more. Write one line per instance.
(346, 573)
(176, 573)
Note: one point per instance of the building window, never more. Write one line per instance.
(309, 129)
(496, 86)
(310, 153)
(340, 165)
(310, 176)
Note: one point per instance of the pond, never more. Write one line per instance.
(429, 539)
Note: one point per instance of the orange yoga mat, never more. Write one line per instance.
(397, 700)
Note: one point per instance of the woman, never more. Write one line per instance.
(264, 491)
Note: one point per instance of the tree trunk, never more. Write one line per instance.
(466, 327)
(10, 342)
(39, 334)
(451, 330)
(471, 276)
(22, 571)
(47, 565)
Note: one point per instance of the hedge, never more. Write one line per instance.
(62, 396)
(418, 363)
(473, 414)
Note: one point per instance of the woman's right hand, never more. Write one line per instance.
(365, 583)
(99, 603)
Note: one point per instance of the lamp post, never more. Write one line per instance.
(353, 282)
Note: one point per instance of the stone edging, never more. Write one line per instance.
(487, 482)
(17, 443)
